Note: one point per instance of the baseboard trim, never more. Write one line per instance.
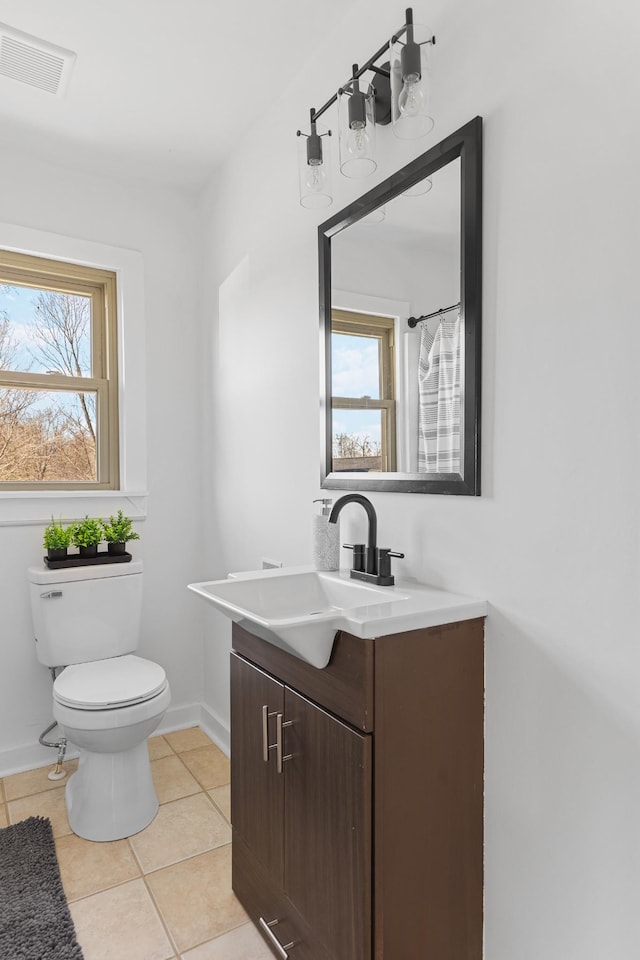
(178, 718)
(33, 755)
(215, 728)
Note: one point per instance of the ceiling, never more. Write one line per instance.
(159, 89)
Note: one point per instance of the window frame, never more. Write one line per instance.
(100, 285)
(355, 323)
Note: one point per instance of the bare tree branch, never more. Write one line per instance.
(62, 340)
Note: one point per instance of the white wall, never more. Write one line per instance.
(426, 276)
(553, 542)
(161, 225)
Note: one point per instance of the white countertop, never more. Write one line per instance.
(300, 609)
(408, 605)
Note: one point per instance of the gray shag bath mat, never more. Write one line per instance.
(35, 923)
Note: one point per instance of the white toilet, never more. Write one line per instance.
(107, 701)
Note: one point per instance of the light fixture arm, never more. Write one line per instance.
(371, 62)
(362, 109)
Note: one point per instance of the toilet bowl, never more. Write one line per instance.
(106, 700)
(108, 709)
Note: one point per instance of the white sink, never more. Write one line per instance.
(300, 609)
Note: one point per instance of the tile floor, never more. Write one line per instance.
(165, 893)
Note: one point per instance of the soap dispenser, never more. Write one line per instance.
(326, 539)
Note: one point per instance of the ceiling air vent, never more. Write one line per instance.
(33, 61)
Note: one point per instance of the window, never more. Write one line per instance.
(58, 375)
(363, 392)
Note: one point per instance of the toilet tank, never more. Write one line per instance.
(85, 613)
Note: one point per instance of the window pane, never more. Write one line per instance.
(355, 366)
(47, 436)
(357, 440)
(43, 331)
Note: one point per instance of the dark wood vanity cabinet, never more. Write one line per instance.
(357, 795)
(308, 823)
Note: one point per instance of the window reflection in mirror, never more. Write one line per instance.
(363, 392)
(410, 258)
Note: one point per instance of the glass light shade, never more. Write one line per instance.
(409, 59)
(357, 125)
(314, 170)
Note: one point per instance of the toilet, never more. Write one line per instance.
(106, 700)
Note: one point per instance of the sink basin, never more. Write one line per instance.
(297, 611)
(300, 609)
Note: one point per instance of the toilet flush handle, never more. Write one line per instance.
(51, 595)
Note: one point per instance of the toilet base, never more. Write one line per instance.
(111, 795)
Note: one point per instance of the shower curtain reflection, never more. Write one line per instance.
(439, 393)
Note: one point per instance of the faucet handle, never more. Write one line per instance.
(358, 554)
(383, 559)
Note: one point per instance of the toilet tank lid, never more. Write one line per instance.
(115, 682)
(98, 571)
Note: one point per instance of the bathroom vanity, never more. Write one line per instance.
(357, 794)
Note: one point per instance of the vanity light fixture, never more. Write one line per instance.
(398, 94)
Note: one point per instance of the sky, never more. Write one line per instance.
(18, 303)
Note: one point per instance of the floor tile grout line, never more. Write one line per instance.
(97, 893)
(165, 925)
(186, 768)
(135, 856)
(110, 886)
(216, 807)
(39, 793)
(172, 752)
(211, 939)
(202, 785)
(199, 746)
(192, 856)
(47, 789)
(143, 876)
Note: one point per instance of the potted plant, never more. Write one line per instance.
(117, 532)
(87, 535)
(56, 540)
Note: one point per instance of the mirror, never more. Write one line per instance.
(400, 399)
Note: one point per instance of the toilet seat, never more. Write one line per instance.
(109, 684)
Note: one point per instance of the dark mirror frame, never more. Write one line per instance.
(465, 143)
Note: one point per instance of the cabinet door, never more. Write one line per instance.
(257, 790)
(327, 869)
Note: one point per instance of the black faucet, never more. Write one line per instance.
(373, 563)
